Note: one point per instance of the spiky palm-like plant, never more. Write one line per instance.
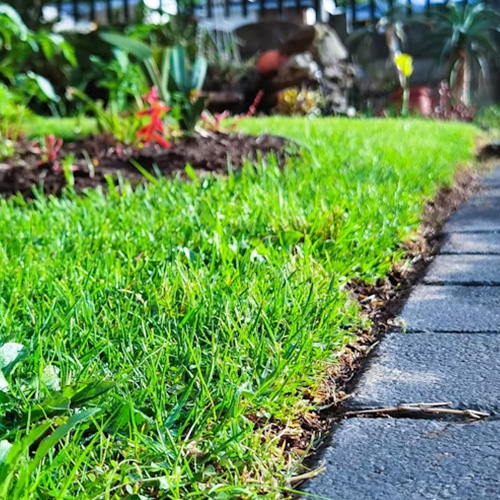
(464, 35)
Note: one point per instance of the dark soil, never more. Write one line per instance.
(97, 158)
(490, 151)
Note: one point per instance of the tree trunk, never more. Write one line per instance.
(463, 75)
(467, 79)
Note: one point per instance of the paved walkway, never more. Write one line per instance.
(451, 352)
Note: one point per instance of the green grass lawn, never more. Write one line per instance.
(66, 128)
(212, 306)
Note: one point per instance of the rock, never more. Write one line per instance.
(304, 61)
(342, 73)
(298, 70)
(328, 47)
(300, 41)
(321, 40)
(338, 82)
(223, 100)
(256, 38)
(316, 60)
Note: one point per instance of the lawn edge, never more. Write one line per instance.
(381, 302)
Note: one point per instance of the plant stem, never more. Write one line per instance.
(405, 108)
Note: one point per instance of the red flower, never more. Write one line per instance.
(152, 96)
(154, 130)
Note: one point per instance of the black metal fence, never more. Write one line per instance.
(130, 11)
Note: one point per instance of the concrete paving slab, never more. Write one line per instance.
(487, 199)
(493, 192)
(492, 179)
(474, 218)
(464, 269)
(432, 367)
(452, 309)
(400, 459)
(476, 243)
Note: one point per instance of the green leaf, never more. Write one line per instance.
(69, 397)
(191, 173)
(191, 113)
(48, 48)
(125, 415)
(11, 13)
(4, 384)
(291, 237)
(50, 442)
(165, 73)
(122, 59)
(144, 172)
(91, 391)
(58, 404)
(198, 73)
(44, 85)
(178, 68)
(134, 47)
(10, 465)
(69, 53)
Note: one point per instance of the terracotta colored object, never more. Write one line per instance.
(270, 61)
(421, 99)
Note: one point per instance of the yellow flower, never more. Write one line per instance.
(404, 62)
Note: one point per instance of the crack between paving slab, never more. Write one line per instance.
(490, 254)
(470, 231)
(460, 283)
(434, 330)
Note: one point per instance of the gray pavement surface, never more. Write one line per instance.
(464, 270)
(474, 243)
(451, 352)
(403, 459)
(433, 308)
(474, 218)
(490, 199)
(493, 179)
(433, 367)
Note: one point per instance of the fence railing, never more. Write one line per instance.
(130, 11)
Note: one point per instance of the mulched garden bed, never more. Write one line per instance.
(97, 158)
